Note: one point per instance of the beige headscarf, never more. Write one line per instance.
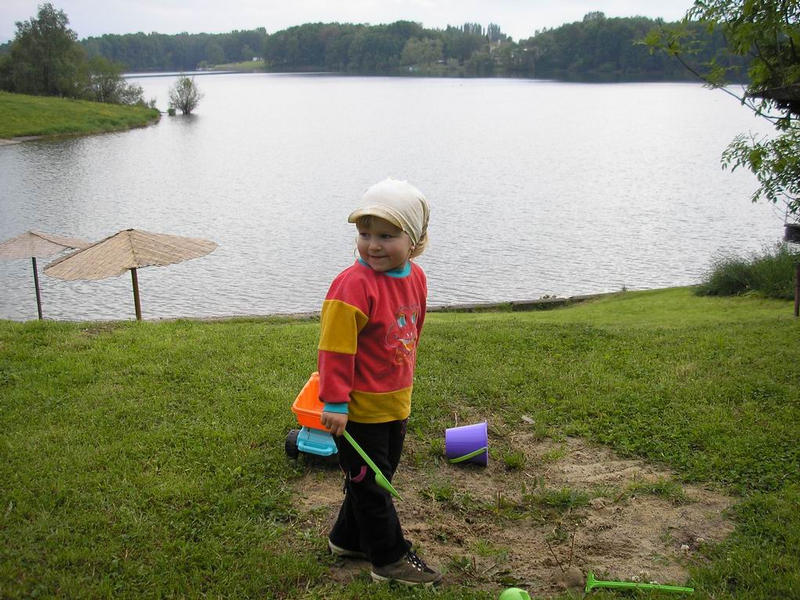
(401, 204)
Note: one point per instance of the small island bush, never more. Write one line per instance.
(184, 95)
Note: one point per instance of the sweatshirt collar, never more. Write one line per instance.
(403, 271)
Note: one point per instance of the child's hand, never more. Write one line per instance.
(335, 422)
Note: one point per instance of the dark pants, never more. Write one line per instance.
(367, 520)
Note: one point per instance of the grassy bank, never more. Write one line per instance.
(22, 115)
(246, 66)
(146, 459)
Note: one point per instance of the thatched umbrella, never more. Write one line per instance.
(37, 243)
(128, 250)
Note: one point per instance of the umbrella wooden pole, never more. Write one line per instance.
(36, 284)
(137, 305)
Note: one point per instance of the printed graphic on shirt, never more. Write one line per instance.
(402, 335)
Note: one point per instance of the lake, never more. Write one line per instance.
(537, 188)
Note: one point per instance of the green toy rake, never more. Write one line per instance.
(591, 583)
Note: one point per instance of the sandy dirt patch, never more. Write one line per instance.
(558, 508)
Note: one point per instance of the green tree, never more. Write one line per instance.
(767, 34)
(214, 54)
(246, 53)
(461, 43)
(106, 84)
(46, 59)
(45, 56)
(184, 95)
(6, 75)
(376, 49)
(421, 52)
(494, 33)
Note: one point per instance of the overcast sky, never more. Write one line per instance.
(517, 18)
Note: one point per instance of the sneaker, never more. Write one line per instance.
(344, 552)
(409, 570)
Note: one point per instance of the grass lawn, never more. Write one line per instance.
(23, 115)
(244, 66)
(146, 459)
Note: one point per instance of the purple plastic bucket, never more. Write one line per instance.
(461, 442)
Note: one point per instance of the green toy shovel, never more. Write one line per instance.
(472, 454)
(380, 478)
(591, 582)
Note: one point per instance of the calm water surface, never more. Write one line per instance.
(537, 188)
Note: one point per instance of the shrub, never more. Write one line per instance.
(184, 95)
(770, 273)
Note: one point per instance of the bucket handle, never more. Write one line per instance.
(472, 454)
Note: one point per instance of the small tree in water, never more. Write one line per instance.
(184, 95)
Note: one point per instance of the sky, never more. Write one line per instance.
(519, 19)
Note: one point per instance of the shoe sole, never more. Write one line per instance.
(382, 579)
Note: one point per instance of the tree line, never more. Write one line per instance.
(600, 48)
(595, 48)
(46, 58)
(140, 52)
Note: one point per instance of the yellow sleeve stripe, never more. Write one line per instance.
(340, 324)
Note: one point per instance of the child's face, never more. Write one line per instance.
(383, 246)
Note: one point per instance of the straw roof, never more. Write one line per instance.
(37, 243)
(128, 249)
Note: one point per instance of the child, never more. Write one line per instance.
(370, 325)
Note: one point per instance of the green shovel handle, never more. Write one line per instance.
(591, 583)
(363, 454)
(472, 454)
(380, 478)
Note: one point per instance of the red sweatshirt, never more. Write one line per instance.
(369, 329)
